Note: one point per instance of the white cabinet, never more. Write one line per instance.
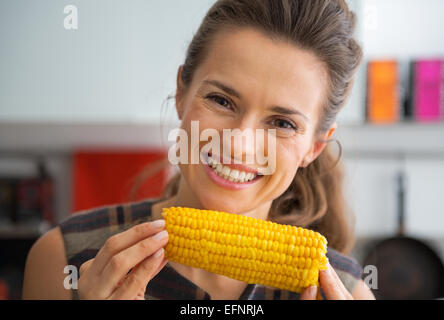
(425, 197)
(371, 191)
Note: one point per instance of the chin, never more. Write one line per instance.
(221, 203)
(213, 197)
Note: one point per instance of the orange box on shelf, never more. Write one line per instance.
(382, 92)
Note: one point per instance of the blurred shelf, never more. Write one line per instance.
(23, 231)
(367, 140)
(392, 140)
(43, 138)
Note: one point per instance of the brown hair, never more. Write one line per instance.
(324, 27)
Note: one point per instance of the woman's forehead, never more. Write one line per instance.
(249, 50)
(258, 66)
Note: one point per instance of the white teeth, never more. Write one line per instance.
(226, 171)
(228, 174)
(234, 174)
(212, 163)
(231, 175)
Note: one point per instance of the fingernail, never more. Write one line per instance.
(161, 235)
(158, 223)
(158, 253)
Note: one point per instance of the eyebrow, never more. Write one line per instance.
(233, 92)
(224, 87)
(287, 111)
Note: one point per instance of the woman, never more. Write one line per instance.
(286, 65)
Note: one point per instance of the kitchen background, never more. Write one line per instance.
(83, 110)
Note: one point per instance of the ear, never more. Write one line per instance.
(179, 93)
(318, 146)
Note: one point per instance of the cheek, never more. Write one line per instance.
(289, 155)
(197, 119)
(206, 118)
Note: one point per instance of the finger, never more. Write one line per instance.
(162, 264)
(340, 283)
(123, 240)
(141, 294)
(309, 293)
(330, 285)
(119, 265)
(85, 266)
(85, 282)
(140, 297)
(138, 279)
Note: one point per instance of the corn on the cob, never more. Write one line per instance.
(245, 248)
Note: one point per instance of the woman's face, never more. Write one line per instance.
(274, 85)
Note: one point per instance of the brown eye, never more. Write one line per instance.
(220, 101)
(284, 124)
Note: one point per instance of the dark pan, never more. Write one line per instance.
(407, 268)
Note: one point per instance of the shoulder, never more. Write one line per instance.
(44, 269)
(348, 269)
(345, 263)
(115, 215)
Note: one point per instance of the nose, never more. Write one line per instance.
(243, 141)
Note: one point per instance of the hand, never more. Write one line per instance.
(125, 264)
(331, 284)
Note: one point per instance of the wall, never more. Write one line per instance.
(403, 28)
(119, 65)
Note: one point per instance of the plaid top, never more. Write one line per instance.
(84, 233)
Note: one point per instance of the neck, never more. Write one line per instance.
(185, 196)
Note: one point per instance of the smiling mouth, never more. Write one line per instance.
(236, 175)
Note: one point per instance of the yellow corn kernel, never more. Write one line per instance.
(245, 248)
